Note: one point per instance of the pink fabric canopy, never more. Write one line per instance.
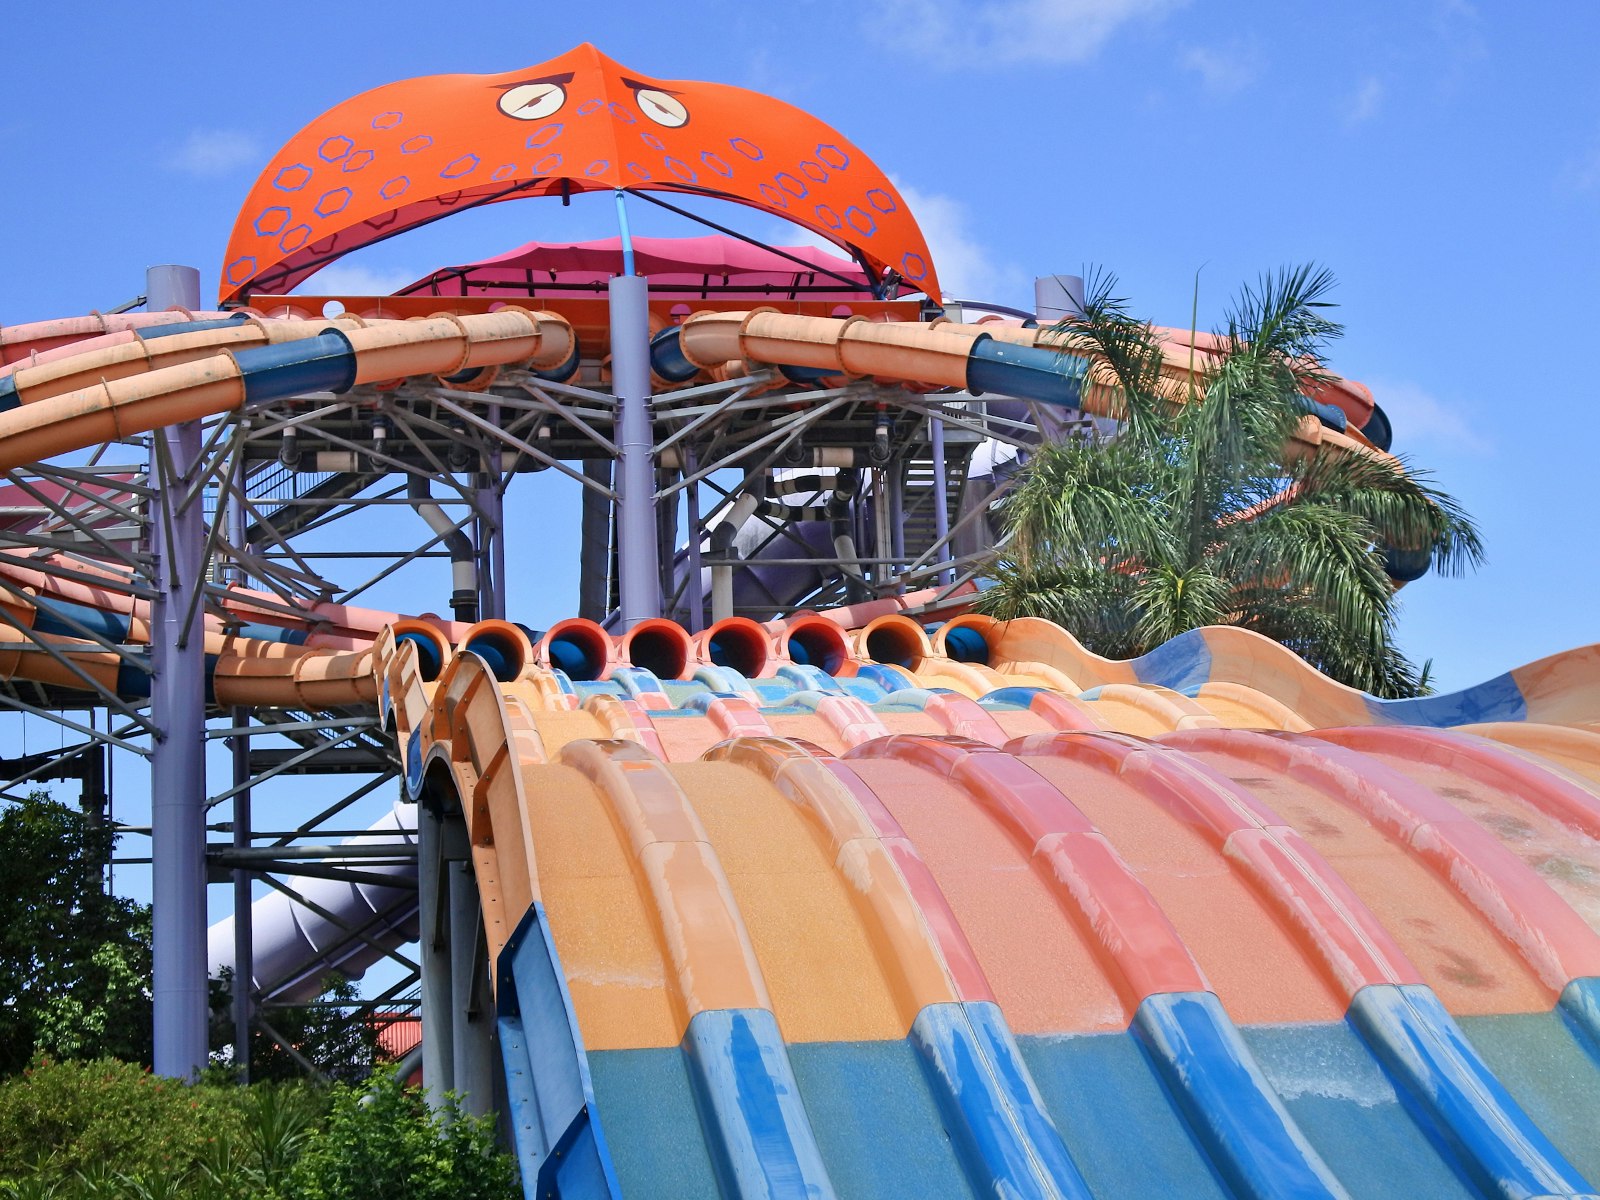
(702, 266)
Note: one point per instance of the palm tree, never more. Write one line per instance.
(1197, 510)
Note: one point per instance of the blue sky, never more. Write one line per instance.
(1442, 158)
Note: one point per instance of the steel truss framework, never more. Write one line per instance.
(260, 492)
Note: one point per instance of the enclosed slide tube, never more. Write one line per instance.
(253, 614)
(333, 359)
(295, 947)
(1027, 364)
(34, 340)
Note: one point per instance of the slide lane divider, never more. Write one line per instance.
(1006, 1141)
(1198, 1054)
(1407, 1029)
(760, 1137)
(1481, 760)
(1510, 895)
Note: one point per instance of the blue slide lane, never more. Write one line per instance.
(1233, 1112)
(755, 1123)
(1457, 1098)
(1005, 1139)
(559, 1144)
(1580, 1003)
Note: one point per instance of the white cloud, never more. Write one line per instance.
(966, 267)
(214, 152)
(350, 279)
(1422, 421)
(1224, 70)
(998, 32)
(1366, 102)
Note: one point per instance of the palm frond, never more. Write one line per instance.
(1401, 503)
(1124, 354)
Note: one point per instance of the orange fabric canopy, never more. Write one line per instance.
(410, 152)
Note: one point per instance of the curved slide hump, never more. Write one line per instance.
(1000, 960)
(334, 360)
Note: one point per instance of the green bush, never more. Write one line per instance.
(107, 1130)
(381, 1141)
(61, 1117)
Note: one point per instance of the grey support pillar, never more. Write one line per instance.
(177, 763)
(1057, 296)
(243, 932)
(638, 562)
(473, 1024)
(433, 918)
(594, 561)
(941, 496)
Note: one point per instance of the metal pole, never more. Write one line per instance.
(638, 561)
(473, 1018)
(492, 544)
(594, 560)
(243, 926)
(695, 593)
(438, 1016)
(243, 929)
(177, 762)
(941, 496)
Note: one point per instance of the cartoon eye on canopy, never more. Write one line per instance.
(411, 152)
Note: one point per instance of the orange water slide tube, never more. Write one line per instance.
(336, 359)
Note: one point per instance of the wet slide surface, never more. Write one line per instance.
(1013, 921)
(931, 928)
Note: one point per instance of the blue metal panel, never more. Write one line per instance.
(656, 1144)
(667, 358)
(755, 1123)
(1500, 699)
(323, 363)
(1233, 1112)
(1117, 1119)
(1580, 1004)
(1541, 1060)
(1025, 372)
(62, 618)
(808, 677)
(1183, 662)
(1011, 697)
(8, 394)
(134, 684)
(428, 660)
(273, 633)
(1459, 1101)
(153, 332)
(636, 681)
(1345, 1104)
(1006, 1141)
(560, 1147)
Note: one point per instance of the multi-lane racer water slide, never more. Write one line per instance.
(851, 903)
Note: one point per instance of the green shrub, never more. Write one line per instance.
(61, 1117)
(107, 1130)
(381, 1142)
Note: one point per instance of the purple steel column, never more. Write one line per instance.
(243, 930)
(941, 497)
(638, 561)
(177, 763)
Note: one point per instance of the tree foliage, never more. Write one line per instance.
(1193, 513)
(112, 1131)
(74, 960)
